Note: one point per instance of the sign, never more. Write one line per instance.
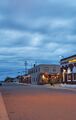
(73, 60)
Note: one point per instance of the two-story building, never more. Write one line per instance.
(68, 69)
(40, 72)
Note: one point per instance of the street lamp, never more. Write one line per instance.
(61, 56)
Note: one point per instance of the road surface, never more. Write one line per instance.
(36, 103)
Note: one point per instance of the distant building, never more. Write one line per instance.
(25, 79)
(68, 69)
(8, 79)
(40, 73)
(16, 79)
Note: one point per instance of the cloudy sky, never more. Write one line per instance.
(37, 30)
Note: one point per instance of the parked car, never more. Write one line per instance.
(0, 84)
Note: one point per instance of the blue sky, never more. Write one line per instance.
(40, 30)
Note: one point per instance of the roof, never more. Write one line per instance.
(48, 65)
(41, 65)
(68, 57)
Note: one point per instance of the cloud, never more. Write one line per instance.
(37, 30)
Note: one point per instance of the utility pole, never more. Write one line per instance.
(26, 67)
(29, 63)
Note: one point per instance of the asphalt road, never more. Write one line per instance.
(36, 103)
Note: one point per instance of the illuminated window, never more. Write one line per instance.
(74, 60)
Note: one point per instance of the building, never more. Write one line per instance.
(15, 79)
(25, 79)
(40, 73)
(68, 69)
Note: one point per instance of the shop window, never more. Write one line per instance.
(70, 77)
(74, 76)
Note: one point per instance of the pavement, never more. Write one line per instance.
(39, 103)
(3, 112)
(56, 86)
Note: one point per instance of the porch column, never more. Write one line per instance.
(64, 72)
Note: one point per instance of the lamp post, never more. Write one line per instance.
(61, 56)
(25, 67)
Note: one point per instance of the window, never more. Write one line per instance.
(46, 69)
(69, 77)
(36, 69)
(54, 69)
(74, 76)
(39, 69)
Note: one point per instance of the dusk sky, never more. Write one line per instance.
(41, 30)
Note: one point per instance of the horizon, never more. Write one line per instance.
(37, 31)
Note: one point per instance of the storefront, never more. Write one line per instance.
(46, 78)
(68, 69)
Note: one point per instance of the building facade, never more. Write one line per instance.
(68, 69)
(40, 72)
(25, 79)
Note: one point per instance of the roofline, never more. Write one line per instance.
(49, 64)
(44, 65)
(68, 57)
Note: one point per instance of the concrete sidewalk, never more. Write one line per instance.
(57, 86)
(3, 113)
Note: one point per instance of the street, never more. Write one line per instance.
(36, 103)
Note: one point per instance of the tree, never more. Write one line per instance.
(8, 79)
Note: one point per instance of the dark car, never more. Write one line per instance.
(0, 84)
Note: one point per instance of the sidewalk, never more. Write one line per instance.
(62, 87)
(56, 86)
(3, 113)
